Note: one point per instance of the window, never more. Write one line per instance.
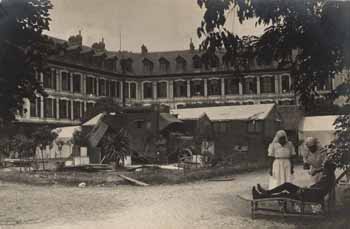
(220, 128)
(267, 84)
(35, 108)
(76, 83)
(249, 86)
(147, 66)
(197, 88)
(139, 123)
(214, 61)
(231, 86)
(101, 87)
(111, 64)
(126, 90)
(147, 90)
(108, 89)
(77, 110)
(90, 85)
(162, 89)
(285, 84)
(117, 89)
(197, 63)
(126, 65)
(50, 80)
(163, 65)
(255, 126)
(180, 88)
(65, 81)
(112, 89)
(133, 90)
(181, 64)
(214, 87)
(49, 108)
(65, 109)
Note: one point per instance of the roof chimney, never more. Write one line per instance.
(76, 39)
(144, 49)
(192, 48)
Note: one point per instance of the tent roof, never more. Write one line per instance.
(66, 133)
(318, 123)
(225, 113)
(94, 120)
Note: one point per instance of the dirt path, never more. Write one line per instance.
(198, 205)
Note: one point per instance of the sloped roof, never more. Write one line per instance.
(166, 119)
(226, 113)
(318, 123)
(154, 57)
(66, 133)
(94, 120)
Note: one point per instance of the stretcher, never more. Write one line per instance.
(293, 207)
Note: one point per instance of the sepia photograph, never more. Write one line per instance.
(174, 114)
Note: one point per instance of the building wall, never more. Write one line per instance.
(233, 133)
(80, 75)
(142, 129)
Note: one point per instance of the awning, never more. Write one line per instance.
(66, 133)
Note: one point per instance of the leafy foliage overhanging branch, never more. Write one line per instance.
(23, 52)
(305, 36)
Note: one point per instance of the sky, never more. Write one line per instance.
(161, 25)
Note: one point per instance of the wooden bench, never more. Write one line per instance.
(283, 204)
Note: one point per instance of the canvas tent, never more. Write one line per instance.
(320, 127)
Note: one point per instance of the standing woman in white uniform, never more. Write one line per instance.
(281, 151)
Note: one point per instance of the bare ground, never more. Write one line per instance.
(204, 204)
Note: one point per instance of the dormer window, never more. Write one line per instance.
(147, 66)
(111, 64)
(126, 65)
(210, 60)
(214, 61)
(181, 64)
(164, 65)
(197, 63)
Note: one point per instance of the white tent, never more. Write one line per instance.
(320, 127)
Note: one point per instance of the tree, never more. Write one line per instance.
(80, 137)
(103, 105)
(23, 52)
(43, 137)
(310, 38)
(306, 37)
(115, 146)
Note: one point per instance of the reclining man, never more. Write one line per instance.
(315, 193)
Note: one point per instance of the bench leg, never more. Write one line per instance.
(253, 208)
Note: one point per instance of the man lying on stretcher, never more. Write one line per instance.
(314, 193)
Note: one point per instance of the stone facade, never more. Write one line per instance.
(80, 75)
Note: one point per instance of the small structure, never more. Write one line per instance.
(248, 127)
(148, 131)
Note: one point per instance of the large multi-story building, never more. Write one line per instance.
(80, 75)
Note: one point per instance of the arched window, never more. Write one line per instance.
(181, 64)
(197, 63)
(163, 65)
(147, 66)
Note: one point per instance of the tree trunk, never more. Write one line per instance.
(42, 158)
